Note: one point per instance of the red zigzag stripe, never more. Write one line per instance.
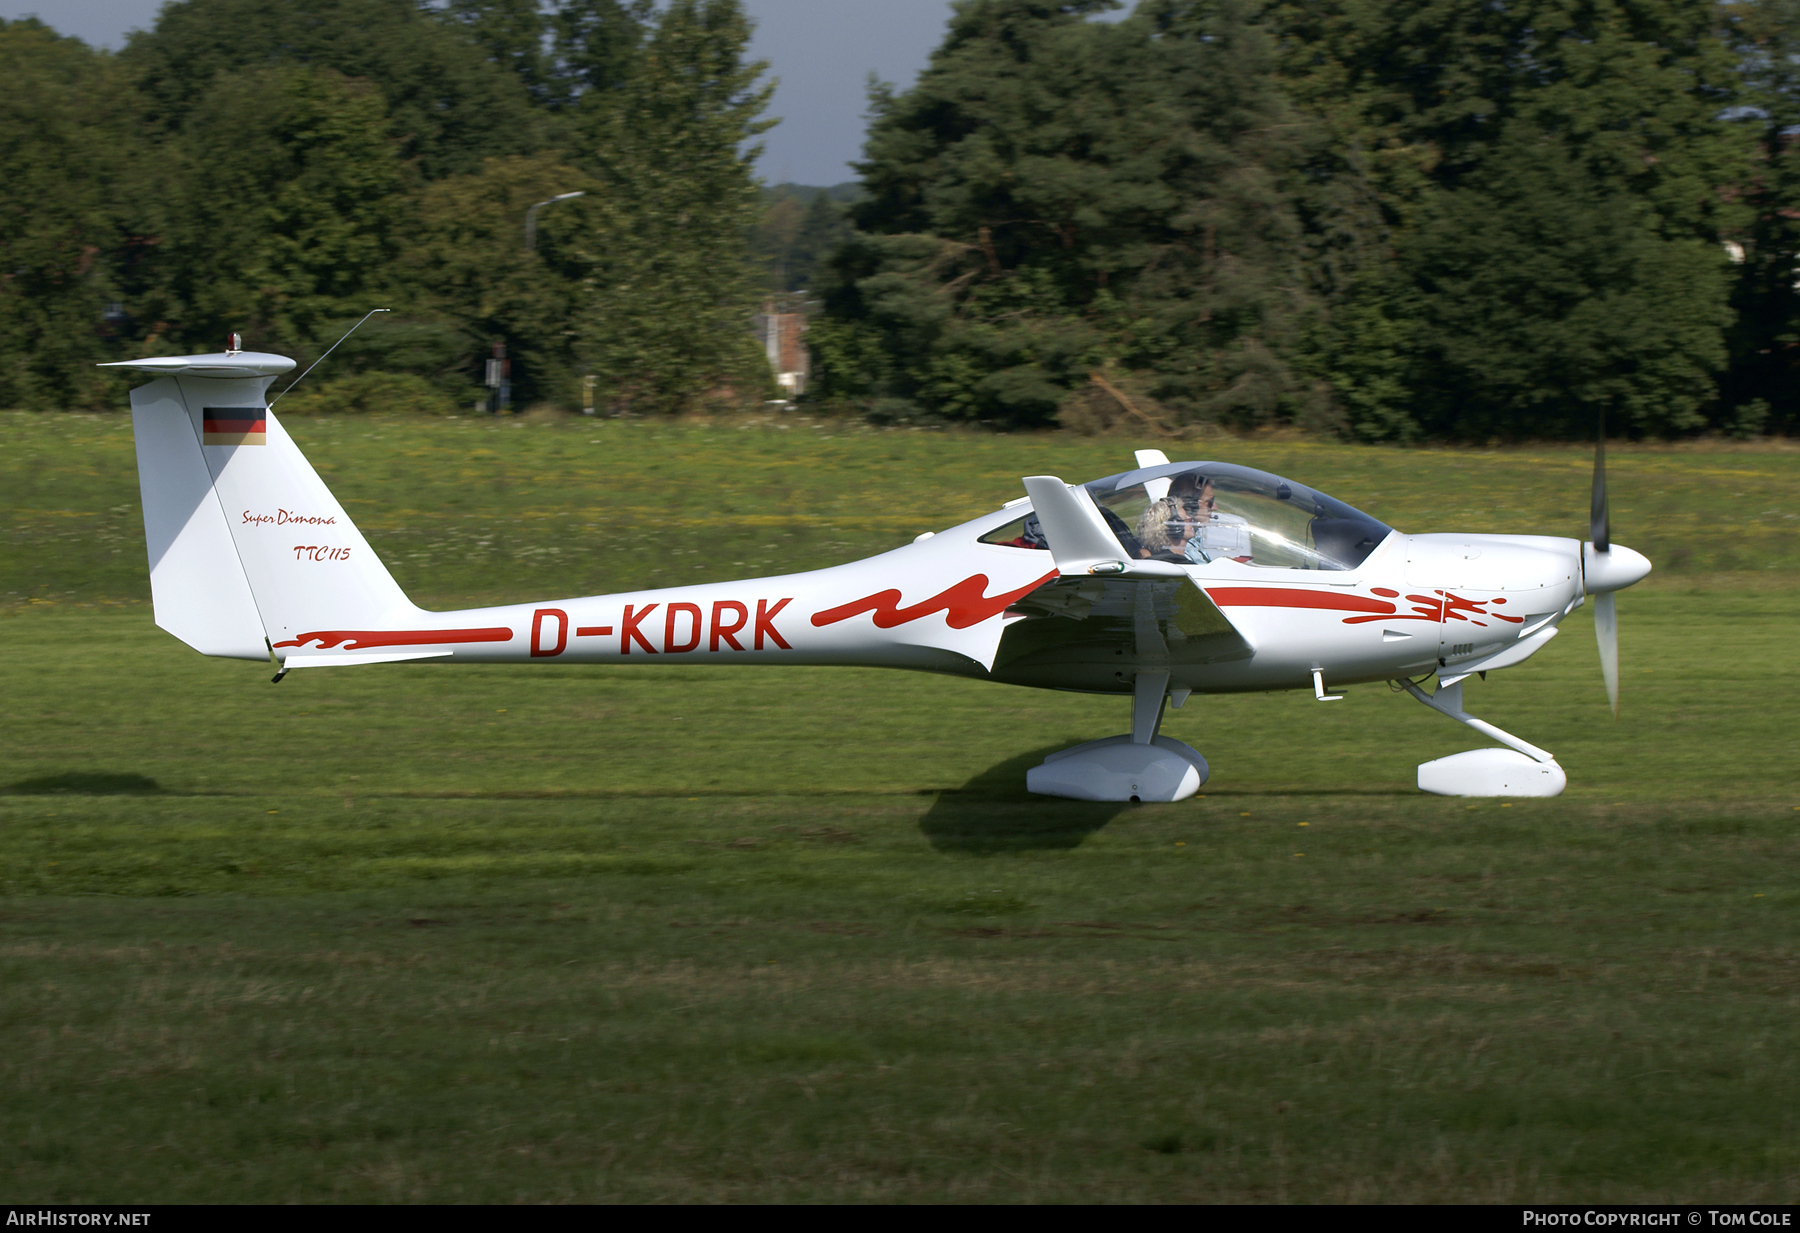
(965, 604)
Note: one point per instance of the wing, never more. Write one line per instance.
(1095, 631)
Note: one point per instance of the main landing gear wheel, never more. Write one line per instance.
(1142, 766)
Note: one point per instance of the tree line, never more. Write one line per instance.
(279, 169)
(1448, 219)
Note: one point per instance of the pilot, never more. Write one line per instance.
(1211, 535)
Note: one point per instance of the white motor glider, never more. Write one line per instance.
(1156, 583)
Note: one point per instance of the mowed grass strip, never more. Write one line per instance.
(547, 1044)
(532, 934)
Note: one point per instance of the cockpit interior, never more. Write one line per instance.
(1197, 513)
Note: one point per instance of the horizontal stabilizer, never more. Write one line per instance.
(351, 658)
(226, 364)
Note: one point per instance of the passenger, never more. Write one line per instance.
(1031, 535)
(1163, 530)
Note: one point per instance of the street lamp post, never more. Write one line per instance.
(531, 218)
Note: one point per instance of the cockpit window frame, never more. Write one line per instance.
(1366, 532)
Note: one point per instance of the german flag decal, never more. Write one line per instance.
(232, 426)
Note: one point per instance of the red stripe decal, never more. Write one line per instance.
(1425, 608)
(1440, 607)
(964, 604)
(357, 639)
(1285, 597)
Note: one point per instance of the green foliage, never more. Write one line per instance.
(1056, 195)
(67, 214)
(1447, 219)
(1762, 390)
(576, 48)
(367, 393)
(1531, 199)
(450, 105)
(466, 265)
(596, 43)
(290, 225)
(399, 343)
(279, 170)
(798, 231)
(663, 319)
(1542, 299)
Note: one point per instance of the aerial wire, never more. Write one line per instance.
(321, 359)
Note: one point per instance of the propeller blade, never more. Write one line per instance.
(1600, 528)
(1606, 631)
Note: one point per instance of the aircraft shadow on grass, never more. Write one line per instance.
(993, 813)
(84, 783)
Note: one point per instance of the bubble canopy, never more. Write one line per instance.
(1202, 512)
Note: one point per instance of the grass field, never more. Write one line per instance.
(498, 934)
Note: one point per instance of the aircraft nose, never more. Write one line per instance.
(1611, 571)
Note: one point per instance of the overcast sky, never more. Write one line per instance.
(822, 50)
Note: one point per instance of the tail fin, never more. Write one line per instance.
(247, 545)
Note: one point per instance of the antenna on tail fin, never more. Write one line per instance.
(321, 359)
